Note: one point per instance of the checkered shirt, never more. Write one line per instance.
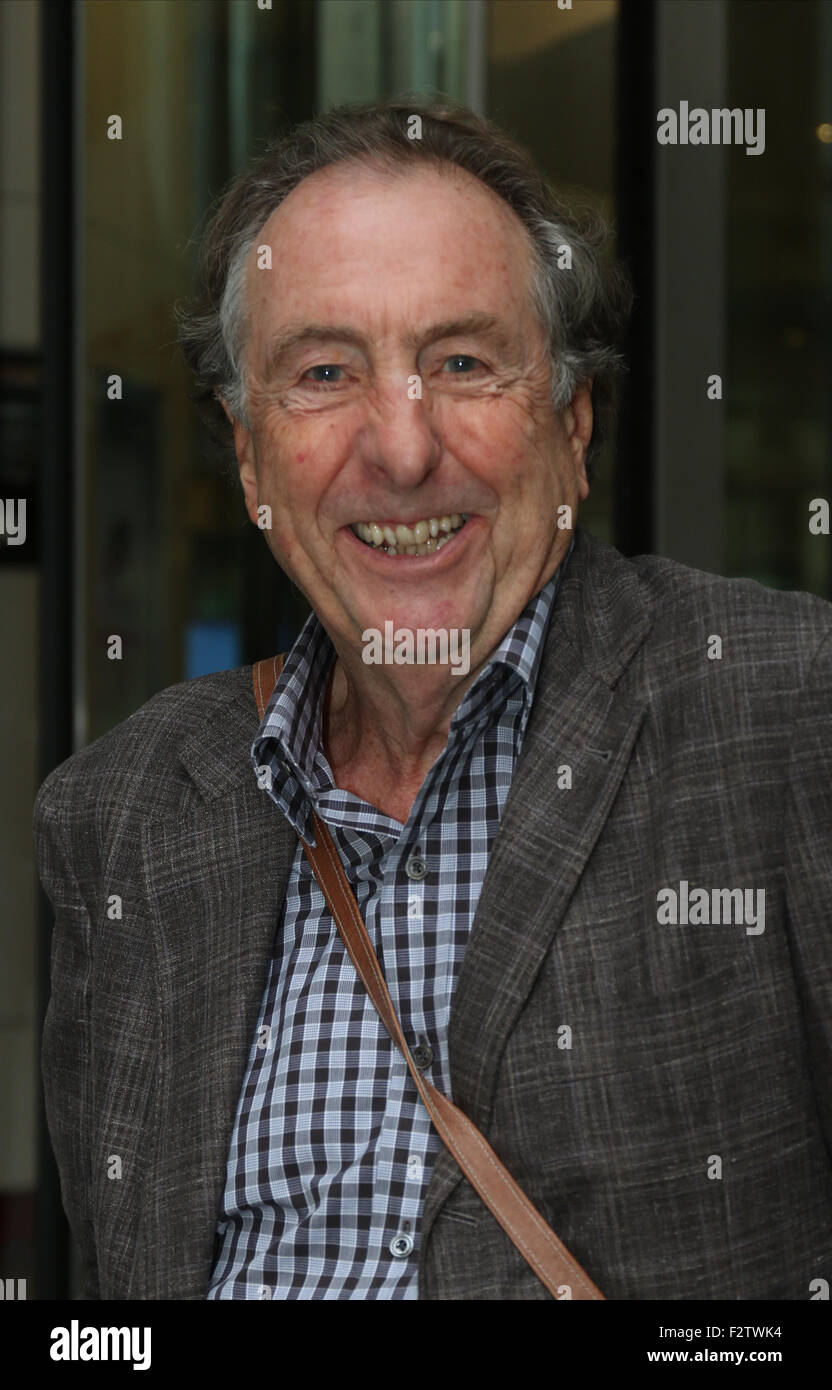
(332, 1148)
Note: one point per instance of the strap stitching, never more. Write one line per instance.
(261, 701)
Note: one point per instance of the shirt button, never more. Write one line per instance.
(422, 1054)
(401, 1246)
(415, 867)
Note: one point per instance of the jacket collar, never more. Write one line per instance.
(599, 609)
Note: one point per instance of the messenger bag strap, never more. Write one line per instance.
(556, 1269)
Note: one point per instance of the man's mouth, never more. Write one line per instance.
(417, 538)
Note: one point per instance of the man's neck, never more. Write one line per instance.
(380, 741)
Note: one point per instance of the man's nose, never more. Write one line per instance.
(400, 438)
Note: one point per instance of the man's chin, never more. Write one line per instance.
(398, 635)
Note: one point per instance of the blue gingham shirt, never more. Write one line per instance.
(332, 1148)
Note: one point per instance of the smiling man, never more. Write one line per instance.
(421, 276)
(412, 345)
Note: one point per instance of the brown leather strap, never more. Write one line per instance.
(557, 1270)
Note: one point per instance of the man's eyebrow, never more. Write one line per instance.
(296, 334)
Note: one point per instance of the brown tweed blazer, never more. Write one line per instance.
(660, 1091)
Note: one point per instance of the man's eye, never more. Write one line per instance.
(323, 367)
(462, 357)
(462, 362)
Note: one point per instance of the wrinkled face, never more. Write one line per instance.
(398, 378)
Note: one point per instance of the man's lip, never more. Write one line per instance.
(413, 562)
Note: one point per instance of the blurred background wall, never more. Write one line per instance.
(132, 526)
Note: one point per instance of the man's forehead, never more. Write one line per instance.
(472, 288)
(359, 208)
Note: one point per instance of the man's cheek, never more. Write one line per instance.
(288, 541)
(274, 521)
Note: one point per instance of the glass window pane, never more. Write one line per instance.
(551, 84)
(779, 278)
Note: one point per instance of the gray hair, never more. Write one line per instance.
(583, 310)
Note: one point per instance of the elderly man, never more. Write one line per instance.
(593, 861)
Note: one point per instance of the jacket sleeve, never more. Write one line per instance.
(66, 1045)
(808, 870)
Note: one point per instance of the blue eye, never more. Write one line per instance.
(323, 367)
(462, 357)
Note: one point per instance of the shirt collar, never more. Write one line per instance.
(289, 736)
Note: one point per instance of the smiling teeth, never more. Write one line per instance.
(422, 538)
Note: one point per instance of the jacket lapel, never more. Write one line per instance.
(580, 719)
(216, 881)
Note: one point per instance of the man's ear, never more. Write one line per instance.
(578, 420)
(246, 461)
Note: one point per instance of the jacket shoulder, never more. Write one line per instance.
(756, 625)
(685, 630)
(140, 757)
